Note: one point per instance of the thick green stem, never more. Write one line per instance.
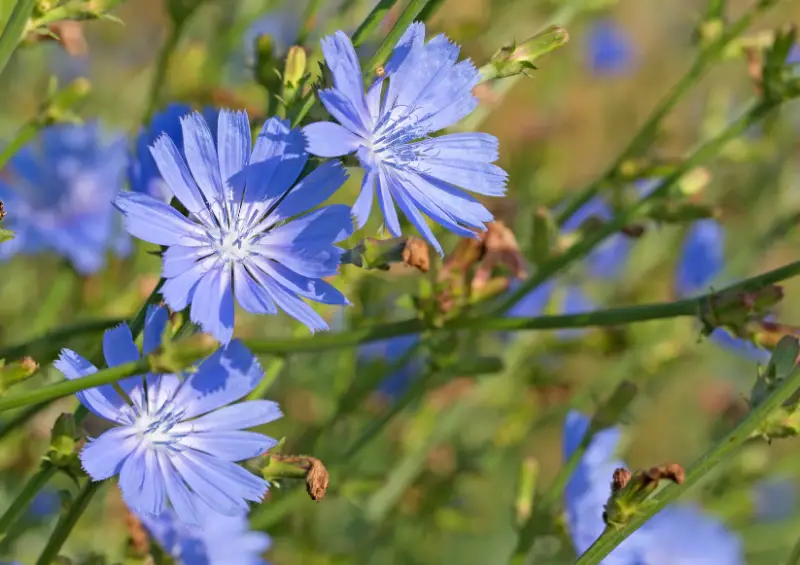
(794, 557)
(372, 21)
(406, 19)
(28, 493)
(755, 112)
(67, 522)
(612, 537)
(649, 130)
(54, 338)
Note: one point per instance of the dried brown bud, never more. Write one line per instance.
(634, 231)
(2, 210)
(380, 72)
(620, 479)
(500, 249)
(29, 365)
(416, 254)
(317, 480)
(674, 473)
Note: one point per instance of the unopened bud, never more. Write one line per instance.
(513, 60)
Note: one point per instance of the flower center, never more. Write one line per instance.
(156, 431)
(231, 245)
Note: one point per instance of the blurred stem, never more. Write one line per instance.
(794, 557)
(754, 113)
(55, 338)
(58, 294)
(14, 30)
(20, 139)
(270, 375)
(729, 445)
(649, 130)
(67, 522)
(162, 65)
(429, 10)
(403, 22)
(372, 21)
(26, 495)
(309, 20)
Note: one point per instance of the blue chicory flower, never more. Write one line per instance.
(59, 192)
(243, 235)
(391, 351)
(678, 535)
(702, 258)
(609, 48)
(219, 541)
(143, 173)
(178, 441)
(775, 499)
(422, 90)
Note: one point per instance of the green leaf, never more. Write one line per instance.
(5, 235)
(14, 29)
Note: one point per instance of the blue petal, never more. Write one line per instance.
(234, 417)
(102, 401)
(451, 99)
(430, 72)
(103, 457)
(403, 60)
(343, 62)
(314, 289)
(363, 204)
(278, 157)
(224, 377)
(327, 139)
(234, 141)
(702, 257)
(743, 347)
(314, 189)
(118, 346)
(410, 210)
(249, 294)
(183, 502)
(132, 478)
(152, 496)
(179, 291)
(470, 174)
(315, 262)
(201, 155)
(154, 323)
(387, 204)
(293, 305)
(471, 146)
(319, 228)
(212, 304)
(341, 110)
(148, 219)
(230, 446)
(207, 485)
(175, 173)
(227, 478)
(178, 259)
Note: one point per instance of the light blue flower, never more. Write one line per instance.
(143, 173)
(609, 257)
(392, 350)
(678, 535)
(609, 48)
(702, 258)
(178, 442)
(59, 192)
(422, 91)
(242, 236)
(221, 540)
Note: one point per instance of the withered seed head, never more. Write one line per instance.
(2, 210)
(416, 254)
(674, 473)
(620, 479)
(317, 480)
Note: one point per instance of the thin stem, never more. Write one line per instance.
(24, 134)
(67, 522)
(14, 30)
(754, 112)
(67, 387)
(372, 21)
(794, 557)
(403, 22)
(28, 493)
(54, 338)
(175, 31)
(429, 10)
(647, 133)
(746, 429)
(309, 20)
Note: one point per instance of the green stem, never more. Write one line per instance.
(270, 375)
(162, 66)
(309, 20)
(24, 134)
(67, 522)
(406, 19)
(372, 21)
(28, 493)
(649, 130)
(14, 30)
(55, 338)
(611, 538)
(429, 10)
(794, 557)
(755, 111)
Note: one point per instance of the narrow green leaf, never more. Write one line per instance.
(5, 235)
(14, 29)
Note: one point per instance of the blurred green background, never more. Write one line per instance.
(438, 483)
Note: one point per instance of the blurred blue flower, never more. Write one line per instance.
(388, 129)
(678, 535)
(610, 51)
(59, 192)
(282, 27)
(46, 502)
(243, 234)
(220, 540)
(179, 440)
(391, 351)
(609, 257)
(701, 259)
(775, 499)
(143, 173)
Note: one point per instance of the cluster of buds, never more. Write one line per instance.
(785, 420)
(742, 312)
